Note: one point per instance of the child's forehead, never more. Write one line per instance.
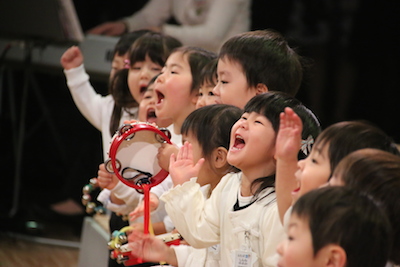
(229, 63)
(297, 222)
(178, 58)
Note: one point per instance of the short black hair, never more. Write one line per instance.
(354, 221)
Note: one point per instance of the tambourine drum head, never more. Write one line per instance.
(139, 153)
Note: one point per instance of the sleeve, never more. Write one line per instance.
(87, 100)
(104, 198)
(222, 14)
(169, 225)
(273, 233)
(187, 255)
(195, 218)
(162, 187)
(127, 194)
(154, 14)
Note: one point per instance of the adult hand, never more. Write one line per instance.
(109, 28)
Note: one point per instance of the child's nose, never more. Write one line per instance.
(279, 248)
(160, 78)
(216, 90)
(300, 163)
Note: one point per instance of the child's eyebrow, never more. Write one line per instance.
(175, 65)
(293, 224)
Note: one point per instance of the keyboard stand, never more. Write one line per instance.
(18, 116)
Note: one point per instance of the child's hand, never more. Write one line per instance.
(288, 140)
(183, 168)
(164, 154)
(149, 248)
(139, 211)
(106, 179)
(72, 58)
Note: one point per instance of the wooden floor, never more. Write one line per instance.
(59, 247)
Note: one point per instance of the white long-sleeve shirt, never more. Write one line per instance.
(203, 23)
(204, 223)
(96, 108)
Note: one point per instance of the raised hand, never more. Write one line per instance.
(288, 141)
(182, 167)
(72, 58)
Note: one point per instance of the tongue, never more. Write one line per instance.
(152, 120)
(239, 144)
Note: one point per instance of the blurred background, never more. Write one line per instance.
(352, 52)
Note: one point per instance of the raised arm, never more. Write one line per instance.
(288, 144)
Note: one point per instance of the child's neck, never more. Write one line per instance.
(249, 176)
(181, 118)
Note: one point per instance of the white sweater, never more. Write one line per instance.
(204, 23)
(204, 223)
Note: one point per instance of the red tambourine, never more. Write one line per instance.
(133, 155)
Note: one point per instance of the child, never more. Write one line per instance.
(98, 109)
(176, 89)
(335, 226)
(120, 53)
(147, 55)
(208, 130)
(147, 107)
(376, 173)
(256, 62)
(241, 213)
(208, 82)
(295, 178)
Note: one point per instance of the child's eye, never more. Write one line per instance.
(156, 69)
(200, 94)
(290, 238)
(210, 93)
(313, 160)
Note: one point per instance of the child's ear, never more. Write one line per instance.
(261, 88)
(219, 157)
(335, 255)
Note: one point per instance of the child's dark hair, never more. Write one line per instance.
(348, 136)
(270, 105)
(376, 173)
(208, 75)
(155, 45)
(126, 40)
(198, 58)
(266, 58)
(211, 126)
(353, 221)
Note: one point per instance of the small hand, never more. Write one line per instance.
(288, 140)
(183, 167)
(139, 211)
(164, 154)
(72, 58)
(106, 179)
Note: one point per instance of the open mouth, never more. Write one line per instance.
(143, 89)
(239, 143)
(160, 97)
(151, 115)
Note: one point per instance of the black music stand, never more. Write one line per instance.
(32, 24)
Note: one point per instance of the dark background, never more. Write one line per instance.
(352, 48)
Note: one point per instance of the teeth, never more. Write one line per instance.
(238, 137)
